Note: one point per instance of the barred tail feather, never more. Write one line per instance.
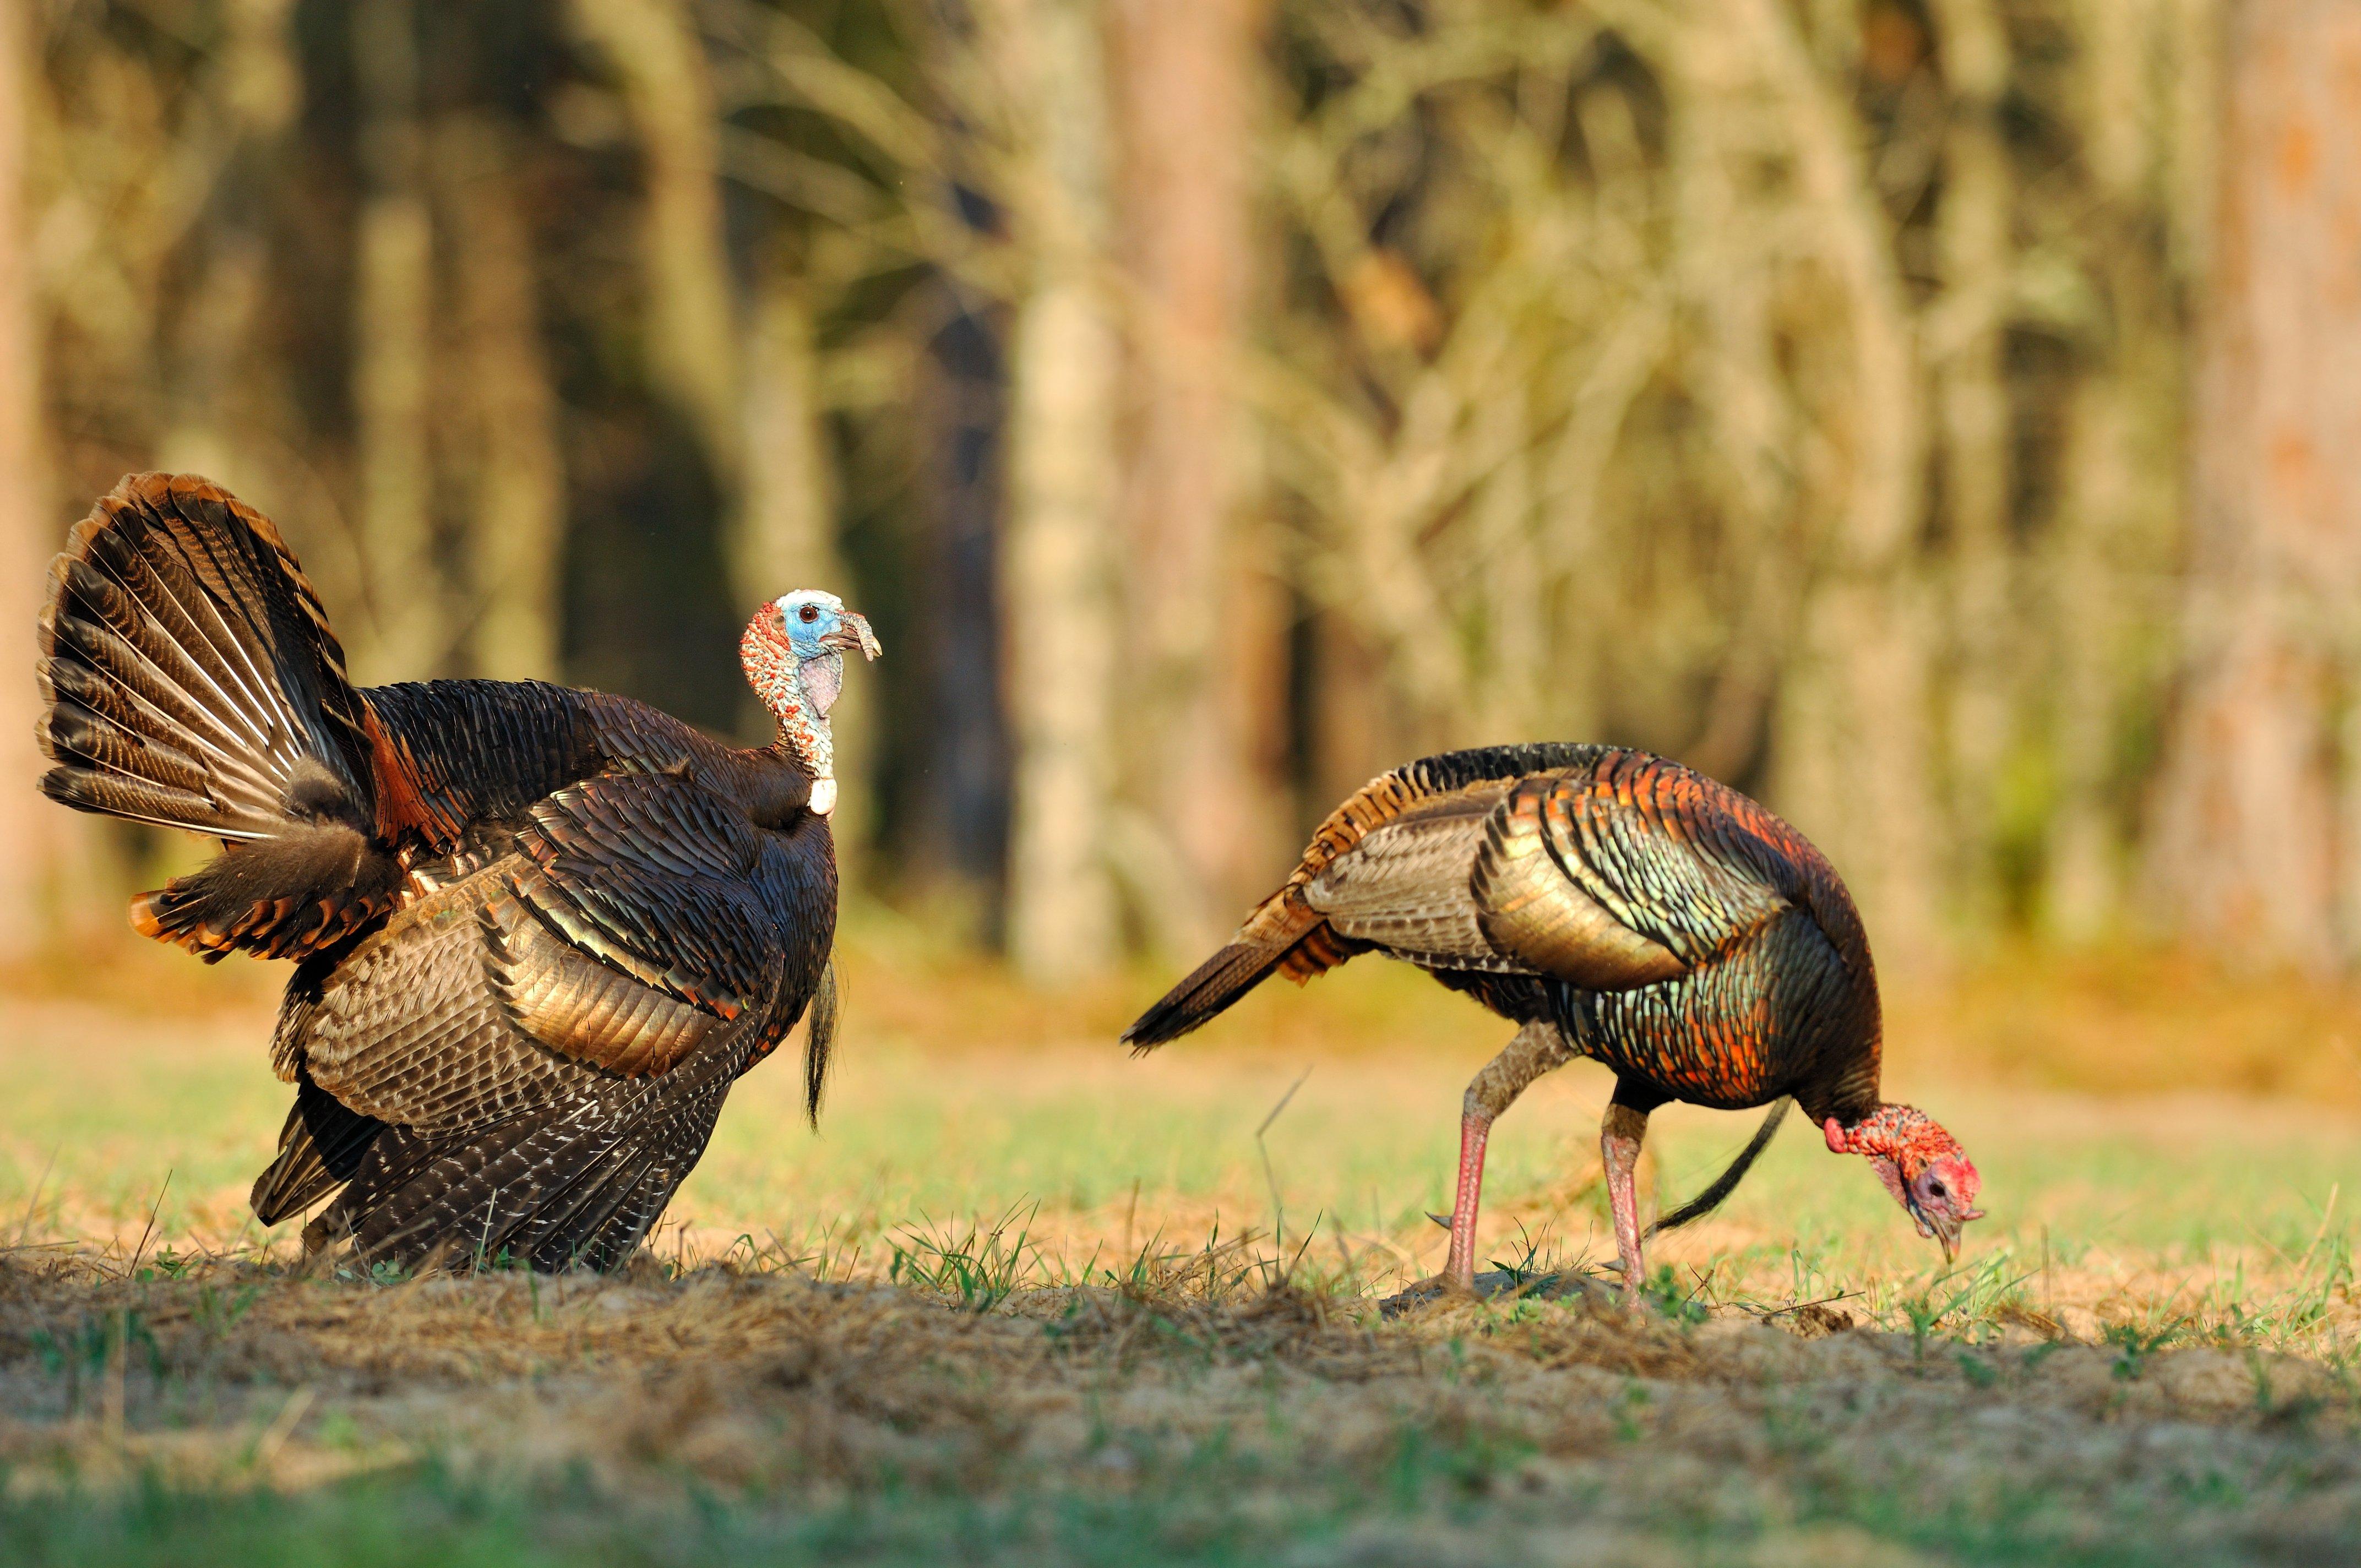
(1209, 990)
(188, 674)
(188, 679)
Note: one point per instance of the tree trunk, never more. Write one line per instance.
(786, 537)
(961, 842)
(1354, 729)
(1975, 254)
(2121, 497)
(1854, 731)
(654, 47)
(1730, 288)
(28, 824)
(1207, 612)
(518, 485)
(394, 306)
(214, 365)
(1056, 603)
(1517, 666)
(2083, 871)
(2257, 845)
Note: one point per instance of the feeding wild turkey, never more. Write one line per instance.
(537, 932)
(1614, 905)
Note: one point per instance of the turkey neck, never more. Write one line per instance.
(1845, 1086)
(773, 783)
(798, 691)
(770, 785)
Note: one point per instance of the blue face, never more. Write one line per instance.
(817, 623)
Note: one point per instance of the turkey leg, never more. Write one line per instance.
(1536, 1050)
(1620, 1133)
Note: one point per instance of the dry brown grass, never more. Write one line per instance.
(1586, 1423)
(1023, 1294)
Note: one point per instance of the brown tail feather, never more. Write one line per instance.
(1210, 988)
(188, 679)
(188, 674)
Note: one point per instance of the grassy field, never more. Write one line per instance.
(1025, 1299)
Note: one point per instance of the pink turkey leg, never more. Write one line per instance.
(1619, 1131)
(1475, 1129)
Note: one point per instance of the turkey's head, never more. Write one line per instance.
(793, 653)
(1923, 1165)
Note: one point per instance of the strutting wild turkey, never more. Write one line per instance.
(537, 932)
(1614, 905)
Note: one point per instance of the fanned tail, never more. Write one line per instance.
(188, 679)
(188, 673)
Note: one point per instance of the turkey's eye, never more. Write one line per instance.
(1935, 1189)
(808, 614)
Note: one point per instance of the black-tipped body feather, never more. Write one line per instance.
(319, 1149)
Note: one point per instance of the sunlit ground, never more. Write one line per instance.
(1328, 1115)
(2167, 1160)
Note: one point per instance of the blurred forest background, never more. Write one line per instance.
(1940, 418)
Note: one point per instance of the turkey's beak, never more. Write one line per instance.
(852, 634)
(1945, 1228)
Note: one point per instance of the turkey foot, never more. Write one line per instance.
(1515, 1284)
(1458, 1275)
(1536, 1048)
